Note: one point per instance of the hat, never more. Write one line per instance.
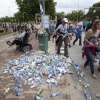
(65, 20)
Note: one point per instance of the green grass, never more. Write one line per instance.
(4, 33)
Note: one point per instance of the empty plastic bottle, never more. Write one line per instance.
(55, 94)
(38, 98)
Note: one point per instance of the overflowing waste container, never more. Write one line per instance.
(43, 41)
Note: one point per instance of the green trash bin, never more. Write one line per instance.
(43, 41)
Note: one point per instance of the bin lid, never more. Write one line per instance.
(44, 34)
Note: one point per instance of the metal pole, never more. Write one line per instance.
(77, 10)
(44, 7)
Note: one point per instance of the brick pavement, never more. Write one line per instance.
(68, 85)
(27, 93)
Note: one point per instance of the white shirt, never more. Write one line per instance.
(21, 35)
(63, 28)
(38, 26)
(28, 26)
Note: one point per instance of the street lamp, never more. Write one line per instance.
(77, 10)
(9, 13)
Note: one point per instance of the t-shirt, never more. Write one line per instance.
(70, 30)
(63, 28)
(21, 36)
(53, 27)
(79, 31)
(38, 26)
(84, 23)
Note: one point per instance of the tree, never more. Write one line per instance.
(94, 10)
(74, 14)
(28, 8)
(7, 19)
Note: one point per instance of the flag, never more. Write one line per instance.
(41, 9)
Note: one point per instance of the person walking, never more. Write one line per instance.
(84, 24)
(90, 47)
(70, 31)
(78, 33)
(63, 36)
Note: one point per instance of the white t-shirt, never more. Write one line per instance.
(38, 26)
(28, 26)
(63, 28)
(21, 35)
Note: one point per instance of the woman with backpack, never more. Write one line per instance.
(91, 44)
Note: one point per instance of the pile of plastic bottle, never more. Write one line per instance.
(31, 69)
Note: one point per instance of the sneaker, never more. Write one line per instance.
(66, 56)
(86, 67)
(94, 76)
(58, 53)
(80, 44)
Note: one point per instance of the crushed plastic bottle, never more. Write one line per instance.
(38, 98)
(55, 94)
(30, 70)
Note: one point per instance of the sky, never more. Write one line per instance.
(9, 7)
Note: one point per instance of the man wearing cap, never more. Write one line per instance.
(59, 21)
(63, 36)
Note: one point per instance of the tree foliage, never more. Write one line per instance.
(94, 10)
(73, 15)
(7, 19)
(28, 9)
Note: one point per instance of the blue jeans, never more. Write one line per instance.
(90, 60)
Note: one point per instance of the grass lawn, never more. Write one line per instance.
(4, 33)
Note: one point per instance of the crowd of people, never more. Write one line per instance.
(16, 27)
(61, 31)
(91, 43)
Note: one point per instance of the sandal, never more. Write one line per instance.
(94, 76)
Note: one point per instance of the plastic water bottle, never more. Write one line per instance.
(11, 87)
(55, 94)
(38, 98)
(50, 86)
(6, 91)
(40, 91)
(86, 95)
(18, 86)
